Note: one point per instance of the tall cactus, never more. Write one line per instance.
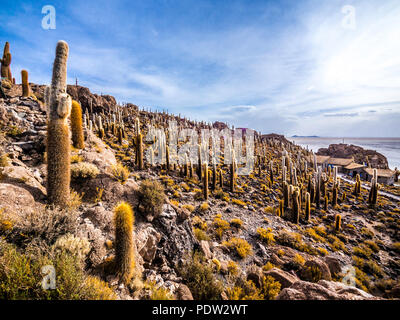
(357, 186)
(232, 177)
(373, 192)
(76, 125)
(26, 91)
(338, 222)
(308, 206)
(58, 134)
(5, 63)
(296, 206)
(205, 182)
(124, 255)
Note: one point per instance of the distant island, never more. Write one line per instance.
(296, 136)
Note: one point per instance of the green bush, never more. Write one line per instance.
(84, 170)
(199, 277)
(151, 197)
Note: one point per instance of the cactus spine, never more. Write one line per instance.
(76, 125)
(26, 90)
(58, 134)
(124, 254)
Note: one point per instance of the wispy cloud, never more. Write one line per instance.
(288, 67)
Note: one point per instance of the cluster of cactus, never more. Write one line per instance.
(373, 192)
(6, 62)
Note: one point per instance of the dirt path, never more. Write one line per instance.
(365, 186)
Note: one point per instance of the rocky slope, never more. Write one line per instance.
(300, 261)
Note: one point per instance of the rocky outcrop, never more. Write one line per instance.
(93, 102)
(286, 279)
(323, 290)
(360, 155)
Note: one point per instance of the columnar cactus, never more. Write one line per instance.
(76, 125)
(199, 164)
(58, 134)
(285, 194)
(124, 254)
(308, 206)
(214, 179)
(232, 177)
(26, 91)
(139, 151)
(334, 196)
(357, 186)
(221, 179)
(5, 63)
(120, 135)
(167, 166)
(326, 201)
(205, 182)
(296, 206)
(271, 172)
(338, 222)
(373, 192)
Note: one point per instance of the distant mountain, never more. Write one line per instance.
(296, 136)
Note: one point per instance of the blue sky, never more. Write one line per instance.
(290, 67)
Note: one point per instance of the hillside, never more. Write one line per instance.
(239, 237)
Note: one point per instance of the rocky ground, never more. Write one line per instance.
(245, 250)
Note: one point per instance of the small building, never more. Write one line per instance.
(355, 168)
(321, 160)
(340, 163)
(385, 176)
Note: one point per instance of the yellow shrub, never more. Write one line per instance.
(120, 172)
(236, 223)
(204, 206)
(241, 246)
(266, 235)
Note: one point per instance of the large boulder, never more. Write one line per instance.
(98, 153)
(147, 239)
(16, 199)
(323, 290)
(177, 238)
(314, 270)
(183, 292)
(286, 279)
